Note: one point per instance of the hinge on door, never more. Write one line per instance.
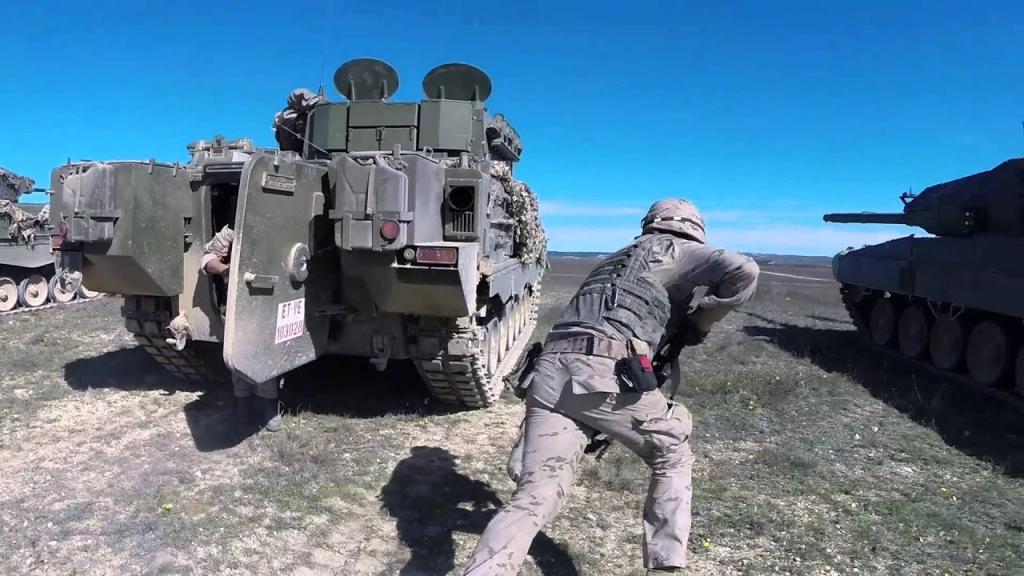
(260, 280)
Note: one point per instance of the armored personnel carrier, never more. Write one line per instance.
(385, 230)
(954, 298)
(28, 277)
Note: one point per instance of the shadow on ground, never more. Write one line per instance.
(430, 500)
(353, 388)
(983, 423)
(820, 318)
(210, 417)
(332, 386)
(124, 369)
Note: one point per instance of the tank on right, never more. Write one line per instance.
(955, 297)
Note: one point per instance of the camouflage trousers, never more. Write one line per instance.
(554, 436)
(245, 387)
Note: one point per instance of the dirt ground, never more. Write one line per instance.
(815, 455)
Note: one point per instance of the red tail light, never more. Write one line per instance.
(56, 240)
(437, 255)
(389, 230)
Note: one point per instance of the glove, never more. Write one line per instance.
(691, 334)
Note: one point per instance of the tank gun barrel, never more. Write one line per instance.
(867, 218)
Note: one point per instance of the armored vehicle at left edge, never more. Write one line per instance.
(378, 229)
(28, 278)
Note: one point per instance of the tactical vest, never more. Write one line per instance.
(619, 293)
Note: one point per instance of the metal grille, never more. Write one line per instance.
(461, 222)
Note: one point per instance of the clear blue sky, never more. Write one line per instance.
(765, 116)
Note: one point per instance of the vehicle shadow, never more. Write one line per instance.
(428, 498)
(983, 423)
(124, 369)
(353, 388)
(336, 386)
(210, 417)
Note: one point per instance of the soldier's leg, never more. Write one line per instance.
(659, 433)
(269, 409)
(552, 445)
(243, 397)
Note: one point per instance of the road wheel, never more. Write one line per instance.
(492, 341)
(946, 343)
(912, 332)
(33, 291)
(988, 353)
(8, 294)
(517, 318)
(882, 322)
(1018, 372)
(508, 329)
(84, 292)
(57, 292)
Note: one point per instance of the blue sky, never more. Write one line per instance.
(765, 116)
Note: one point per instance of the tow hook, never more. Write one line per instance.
(180, 331)
(381, 344)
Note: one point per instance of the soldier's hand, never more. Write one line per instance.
(692, 334)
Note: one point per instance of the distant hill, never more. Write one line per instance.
(779, 259)
(789, 260)
(558, 254)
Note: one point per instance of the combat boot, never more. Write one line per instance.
(271, 416)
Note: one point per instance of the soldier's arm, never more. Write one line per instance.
(216, 266)
(216, 252)
(736, 283)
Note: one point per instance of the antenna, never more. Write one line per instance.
(457, 81)
(366, 79)
(327, 42)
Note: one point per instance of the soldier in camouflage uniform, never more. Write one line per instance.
(257, 401)
(290, 123)
(594, 376)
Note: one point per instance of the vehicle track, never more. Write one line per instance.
(50, 306)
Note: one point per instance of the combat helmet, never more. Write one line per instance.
(675, 216)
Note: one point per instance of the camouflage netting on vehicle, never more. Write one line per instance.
(21, 224)
(13, 186)
(531, 242)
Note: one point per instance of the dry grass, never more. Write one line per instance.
(814, 456)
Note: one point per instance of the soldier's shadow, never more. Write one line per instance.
(430, 501)
(980, 422)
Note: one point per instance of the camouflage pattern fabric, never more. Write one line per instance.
(572, 396)
(530, 241)
(290, 123)
(218, 248)
(557, 428)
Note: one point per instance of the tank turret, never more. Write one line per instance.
(952, 299)
(990, 202)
